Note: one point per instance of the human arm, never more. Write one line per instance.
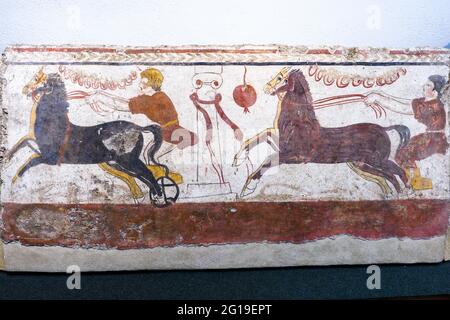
(108, 100)
(389, 102)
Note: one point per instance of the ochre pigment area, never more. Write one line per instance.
(128, 226)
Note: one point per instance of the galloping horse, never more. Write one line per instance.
(116, 144)
(364, 146)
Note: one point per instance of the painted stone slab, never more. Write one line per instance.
(120, 158)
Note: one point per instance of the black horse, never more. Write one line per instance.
(118, 143)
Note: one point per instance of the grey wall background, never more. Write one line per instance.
(380, 23)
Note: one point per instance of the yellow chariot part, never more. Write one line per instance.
(135, 190)
(420, 183)
(159, 172)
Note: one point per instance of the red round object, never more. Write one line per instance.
(244, 96)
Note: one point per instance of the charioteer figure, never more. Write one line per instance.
(159, 108)
(428, 110)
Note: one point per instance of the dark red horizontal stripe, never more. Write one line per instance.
(143, 226)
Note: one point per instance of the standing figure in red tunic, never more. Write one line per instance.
(428, 110)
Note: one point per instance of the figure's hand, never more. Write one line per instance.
(194, 96)
(91, 98)
(370, 97)
(238, 134)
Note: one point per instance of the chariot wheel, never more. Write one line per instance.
(170, 192)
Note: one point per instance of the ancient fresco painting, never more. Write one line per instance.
(296, 136)
(150, 154)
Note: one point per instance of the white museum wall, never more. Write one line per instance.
(376, 23)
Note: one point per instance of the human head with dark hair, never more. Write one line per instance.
(434, 86)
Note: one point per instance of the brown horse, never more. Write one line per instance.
(302, 140)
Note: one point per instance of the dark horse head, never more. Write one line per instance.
(44, 84)
(292, 88)
(291, 84)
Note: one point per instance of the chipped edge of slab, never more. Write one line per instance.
(447, 240)
(447, 246)
(446, 100)
(331, 251)
(3, 133)
(2, 257)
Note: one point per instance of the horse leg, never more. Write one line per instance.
(19, 145)
(129, 180)
(382, 171)
(380, 181)
(253, 142)
(136, 168)
(273, 141)
(253, 179)
(32, 161)
(394, 168)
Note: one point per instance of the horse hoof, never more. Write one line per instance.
(139, 200)
(239, 160)
(246, 192)
(159, 201)
(249, 188)
(390, 195)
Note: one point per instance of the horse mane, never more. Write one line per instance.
(300, 77)
(303, 105)
(55, 87)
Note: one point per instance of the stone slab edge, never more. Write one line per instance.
(340, 250)
(3, 133)
(446, 100)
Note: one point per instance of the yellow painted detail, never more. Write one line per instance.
(135, 190)
(159, 172)
(420, 183)
(131, 183)
(16, 176)
(380, 181)
(169, 123)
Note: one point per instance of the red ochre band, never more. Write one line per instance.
(143, 226)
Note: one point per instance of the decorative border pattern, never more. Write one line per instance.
(222, 55)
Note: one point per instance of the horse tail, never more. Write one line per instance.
(156, 130)
(404, 133)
